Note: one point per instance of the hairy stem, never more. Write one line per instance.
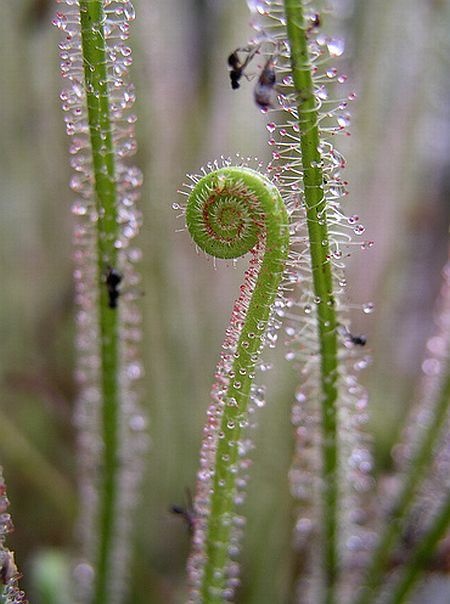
(96, 80)
(417, 470)
(322, 280)
(230, 212)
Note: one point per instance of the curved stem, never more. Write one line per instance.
(418, 467)
(96, 79)
(322, 281)
(268, 226)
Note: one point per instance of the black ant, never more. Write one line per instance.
(113, 280)
(356, 340)
(265, 85)
(314, 23)
(237, 68)
(186, 512)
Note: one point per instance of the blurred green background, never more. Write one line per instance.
(397, 60)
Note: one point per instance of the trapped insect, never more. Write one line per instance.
(359, 340)
(237, 67)
(315, 22)
(113, 280)
(265, 86)
(186, 512)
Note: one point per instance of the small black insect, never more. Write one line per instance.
(264, 87)
(356, 340)
(237, 67)
(314, 22)
(113, 280)
(186, 512)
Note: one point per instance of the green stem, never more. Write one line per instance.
(316, 215)
(229, 212)
(96, 79)
(422, 554)
(416, 473)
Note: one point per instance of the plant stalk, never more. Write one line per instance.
(96, 81)
(242, 198)
(316, 216)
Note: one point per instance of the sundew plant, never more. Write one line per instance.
(335, 532)
(95, 61)
(365, 511)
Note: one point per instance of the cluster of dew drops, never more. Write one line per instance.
(126, 181)
(298, 304)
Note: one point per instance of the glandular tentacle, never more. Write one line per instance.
(230, 212)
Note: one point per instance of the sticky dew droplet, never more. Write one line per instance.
(265, 366)
(431, 367)
(335, 46)
(368, 308)
(343, 120)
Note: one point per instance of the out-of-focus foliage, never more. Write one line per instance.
(399, 173)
